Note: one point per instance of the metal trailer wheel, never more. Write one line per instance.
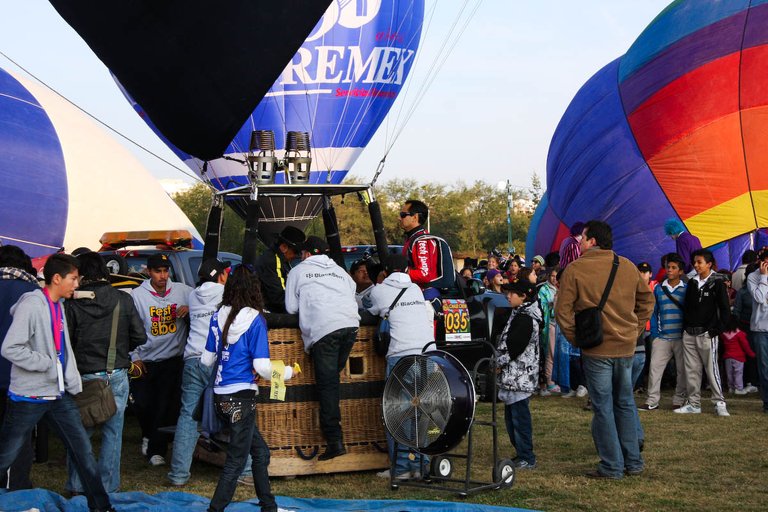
(441, 466)
(504, 473)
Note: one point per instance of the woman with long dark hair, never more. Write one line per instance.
(239, 332)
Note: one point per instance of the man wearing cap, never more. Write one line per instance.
(323, 295)
(538, 268)
(757, 285)
(363, 283)
(163, 307)
(273, 266)
(411, 328)
(203, 303)
(608, 366)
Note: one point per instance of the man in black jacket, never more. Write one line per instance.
(89, 319)
(706, 313)
(273, 266)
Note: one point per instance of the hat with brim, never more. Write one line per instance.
(212, 268)
(291, 236)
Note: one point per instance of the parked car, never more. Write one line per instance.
(352, 253)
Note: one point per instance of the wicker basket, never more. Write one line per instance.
(292, 428)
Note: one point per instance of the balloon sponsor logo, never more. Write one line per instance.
(345, 64)
(347, 13)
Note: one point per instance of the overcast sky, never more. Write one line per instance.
(489, 114)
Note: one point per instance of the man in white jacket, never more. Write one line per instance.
(411, 327)
(323, 295)
(204, 301)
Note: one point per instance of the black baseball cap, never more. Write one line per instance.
(315, 245)
(644, 267)
(520, 287)
(395, 263)
(158, 260)
(211, 268)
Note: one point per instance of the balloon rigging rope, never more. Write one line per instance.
(435, 69)
(115, 131)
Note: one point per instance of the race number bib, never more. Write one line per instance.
(456, 316)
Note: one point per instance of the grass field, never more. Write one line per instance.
(693, 462)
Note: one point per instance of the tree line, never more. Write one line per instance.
(471, 217)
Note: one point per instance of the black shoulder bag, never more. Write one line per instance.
(589, 322)
(382, 336)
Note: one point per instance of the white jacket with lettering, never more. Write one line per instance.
(411, 320)
(323, 295)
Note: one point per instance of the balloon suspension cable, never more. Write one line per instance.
(105, 125)
(379, 170)
(238, 160)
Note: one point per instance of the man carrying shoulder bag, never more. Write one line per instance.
(608, 365)
(104, 327)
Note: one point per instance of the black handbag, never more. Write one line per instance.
(96, 401)
(589, 322)
(383, 337)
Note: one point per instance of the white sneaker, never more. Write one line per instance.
(731, 390)
(157, 460)
(402, 476)
(740, 391)
(749, 388)
(721, 410)
(689, 409)
(144, 446)
(544, 392)
(569, 394)
(581, 392)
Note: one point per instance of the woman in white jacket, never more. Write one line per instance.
(240, 325)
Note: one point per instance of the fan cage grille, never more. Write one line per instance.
(417, 402)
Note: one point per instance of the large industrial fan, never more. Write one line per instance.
(429, 407)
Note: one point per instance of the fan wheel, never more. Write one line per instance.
(441, 466)
(504, 473)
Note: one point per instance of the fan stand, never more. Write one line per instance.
(441, 466)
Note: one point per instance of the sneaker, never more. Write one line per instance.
(157, 460)
(144, 446)
(553, 388)
(648, 407)
(569, 394)
(689, 409)
(544, 392)
(740, 391)
(524, 464)
(581, 392)
(749, 388)
(730, 391)
(407, 475)
(721, 410)
(245, 480)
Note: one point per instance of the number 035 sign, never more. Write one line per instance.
(456, 317)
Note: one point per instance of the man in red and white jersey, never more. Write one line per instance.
(421, 252)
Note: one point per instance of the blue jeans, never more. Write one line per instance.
(520, 429)
(761, 351)
(638, 363)
(64, 418)
(193, 381)
(244, 438)
(615, 421)
(402, 460)
(111, 436)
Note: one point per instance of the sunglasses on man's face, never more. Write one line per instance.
(406, 214)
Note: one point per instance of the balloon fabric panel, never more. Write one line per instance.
(33, 197)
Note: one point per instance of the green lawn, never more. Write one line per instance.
(693, 462)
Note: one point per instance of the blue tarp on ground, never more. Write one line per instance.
(48, 501)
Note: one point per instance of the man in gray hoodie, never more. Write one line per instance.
(163, 306)
(44, 376)
(323, 295)
(204, 301)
